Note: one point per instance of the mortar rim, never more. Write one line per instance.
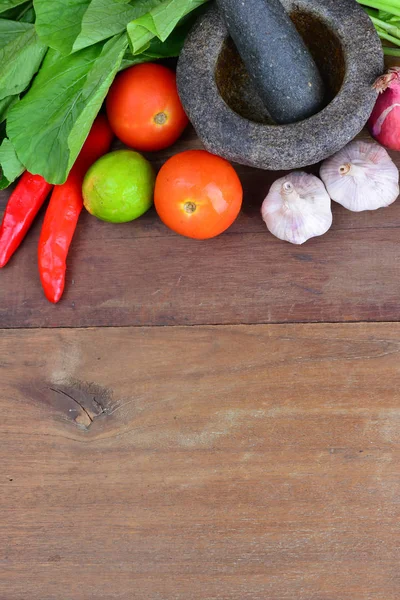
(328, 118)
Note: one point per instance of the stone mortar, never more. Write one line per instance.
(228, 114)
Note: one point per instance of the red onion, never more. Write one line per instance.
(384, 123)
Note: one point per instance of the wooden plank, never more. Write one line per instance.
(143, 274)
(207, 463)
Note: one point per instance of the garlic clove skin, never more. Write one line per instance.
(297, 208)
(361, 177)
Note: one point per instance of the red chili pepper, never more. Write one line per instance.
(23, 205)
(63, 212)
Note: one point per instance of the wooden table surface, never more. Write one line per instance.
(211, 420)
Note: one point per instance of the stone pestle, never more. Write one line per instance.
(276, 57)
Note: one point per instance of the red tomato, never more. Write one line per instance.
(197, 194)
(144, 109)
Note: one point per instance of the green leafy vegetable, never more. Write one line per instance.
(159, 22)
(94, 92)
(157, 49)
(76, 47)
(5, 106)
(385, 6)
(21, 53)
(6, 5)
(61, 106)
(4, 183)
(27, 15)
(385, 15)
(11, 167)
(390, 27)
(70, 25)
(58, 22)
(23, 12)
(105, 18)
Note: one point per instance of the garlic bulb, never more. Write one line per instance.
(297, 208)
(362, 176)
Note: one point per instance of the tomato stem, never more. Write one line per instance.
(189, 207)
(160, 118)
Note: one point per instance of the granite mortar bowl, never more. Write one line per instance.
(228, 115)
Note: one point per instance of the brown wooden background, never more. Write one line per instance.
(204, 420)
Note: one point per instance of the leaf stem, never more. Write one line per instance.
(385, 36)
(391, 51)
(392, 7)
(390, 29)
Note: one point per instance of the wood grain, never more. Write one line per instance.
(211, 463)
(143, 274)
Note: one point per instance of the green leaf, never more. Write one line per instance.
(9, 4)
(11, 168)
(58, 22)
(172, 47)
(387, 17)
(95, 90)
(4, 183)
(22, 12)
(27, 15)
(105, 18)
(383, 15)
(6, 104)
(49, 125)
(21, 53)
(159, 22)
(70, 25)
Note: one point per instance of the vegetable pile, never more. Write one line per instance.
(385, 15)
(196, 194)
(57, 63)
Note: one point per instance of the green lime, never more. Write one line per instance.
(119, 187)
